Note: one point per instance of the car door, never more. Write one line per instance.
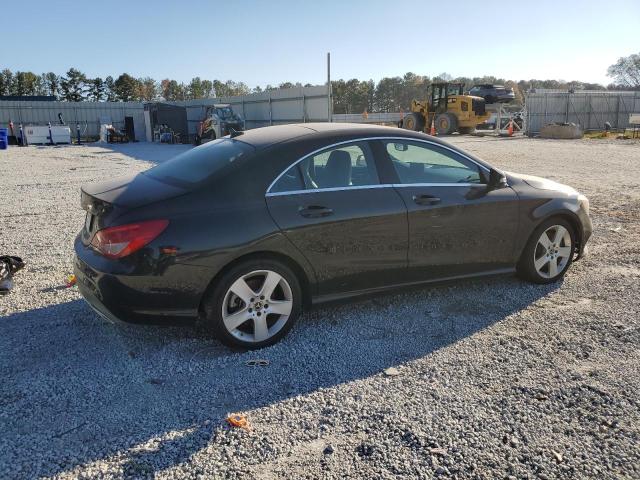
(352, 229)
(457, 225)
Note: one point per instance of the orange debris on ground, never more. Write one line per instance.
(238, 421)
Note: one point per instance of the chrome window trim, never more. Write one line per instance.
(404, 185)
(328, 189)
(366, 139)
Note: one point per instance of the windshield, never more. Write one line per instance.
(224, 112)
(201, 163)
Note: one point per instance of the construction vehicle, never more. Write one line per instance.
(219, 120)
(448, 110)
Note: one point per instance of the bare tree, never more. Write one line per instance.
(626, 71)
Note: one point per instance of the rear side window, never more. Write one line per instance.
(201, 163)
(343, 166)
(290, 181)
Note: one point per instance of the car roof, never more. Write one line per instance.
(267, 136)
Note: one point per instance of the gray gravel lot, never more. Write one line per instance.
(495, 378)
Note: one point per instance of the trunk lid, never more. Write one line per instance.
(106, 200)
(130, 191)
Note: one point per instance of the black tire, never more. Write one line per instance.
(413, 121)
(526, 265)
(466, 130)
(446, 124)
(213, 305)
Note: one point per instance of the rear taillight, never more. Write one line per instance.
(123, 240)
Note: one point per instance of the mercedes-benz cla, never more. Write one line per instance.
(243, 233)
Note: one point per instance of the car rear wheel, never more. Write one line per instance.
(549, 252)
(254, 304)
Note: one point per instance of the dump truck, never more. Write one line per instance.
(219, 120)
(448, 109)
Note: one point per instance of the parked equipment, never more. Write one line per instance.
(168, 118)
(219, 120)
(40, 134)
(447, 109)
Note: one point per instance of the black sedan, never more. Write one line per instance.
(244, 232)
(493, 93)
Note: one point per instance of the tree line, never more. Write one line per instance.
(390, 94)
(75, 86)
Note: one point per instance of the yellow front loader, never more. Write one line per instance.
(448, 109)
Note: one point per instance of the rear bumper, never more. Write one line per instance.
(145, 291)
(94, 302)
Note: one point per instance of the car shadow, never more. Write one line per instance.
(78, 390)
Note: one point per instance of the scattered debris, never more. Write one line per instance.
(8, 267)
(437, 451)
(73, 429)
(71, 280)
(257, 363)
(392, 372)
(328, 450)
(557, 456)
(240, 421)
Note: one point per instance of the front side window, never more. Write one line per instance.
(344, 166)
(416, 162)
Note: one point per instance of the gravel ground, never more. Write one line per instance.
(489, 379)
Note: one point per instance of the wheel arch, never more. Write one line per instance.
(303, 278)
(573, 220)
(566, 215)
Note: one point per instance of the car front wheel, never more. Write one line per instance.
(549, 252)
(254, 304)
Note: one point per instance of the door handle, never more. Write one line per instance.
(426, 200)
(315, 211)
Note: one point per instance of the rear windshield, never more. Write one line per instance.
(201, 163)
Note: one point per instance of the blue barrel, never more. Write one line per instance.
(4, 138)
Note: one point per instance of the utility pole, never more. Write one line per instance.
(329, 93)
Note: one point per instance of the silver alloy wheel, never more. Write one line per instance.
(257, 306)
(552, 252)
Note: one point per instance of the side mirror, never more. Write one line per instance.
(497, 179)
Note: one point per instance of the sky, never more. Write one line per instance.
(269, 42)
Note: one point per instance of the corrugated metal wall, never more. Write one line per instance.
(291, 105)
(88, 114)
(386, 118)
(589, 109)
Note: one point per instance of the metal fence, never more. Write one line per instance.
(275, 107)
(291, 105)
(589, 109)
(390, 118)
(87, 114)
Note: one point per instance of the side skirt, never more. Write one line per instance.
(320, 299)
